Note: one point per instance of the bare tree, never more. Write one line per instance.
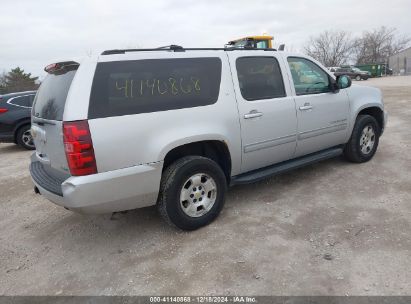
(378, 44)
(331, 48)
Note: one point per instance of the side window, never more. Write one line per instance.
(260, 78)
(262, 44)
(22, 101)
(308, 77)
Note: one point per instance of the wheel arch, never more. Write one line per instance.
(17, 127)
(365, 100)
(375, 111)
(216, 150)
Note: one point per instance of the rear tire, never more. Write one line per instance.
(192, 192)
(358, 77)
(364, 140)
(24, 138)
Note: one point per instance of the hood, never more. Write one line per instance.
(365, 92)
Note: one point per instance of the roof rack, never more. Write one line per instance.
(172, 47)
(178, 48)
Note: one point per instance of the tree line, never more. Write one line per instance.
(336, 48)
(17, 80)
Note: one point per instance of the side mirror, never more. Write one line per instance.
(343, 81)
(334, 85)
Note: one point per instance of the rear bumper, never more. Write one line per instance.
(111, 191)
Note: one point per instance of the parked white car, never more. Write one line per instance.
(175, 127)
(333, 69)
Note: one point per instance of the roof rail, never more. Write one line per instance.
(172, 47)
(178, 48)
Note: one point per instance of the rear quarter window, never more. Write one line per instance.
(143, 86)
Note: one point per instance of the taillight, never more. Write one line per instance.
(3, 110)
(79, 148)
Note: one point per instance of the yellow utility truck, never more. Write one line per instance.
(256, 42)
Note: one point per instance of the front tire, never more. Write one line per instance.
(192, 192)
(24, 138)
(364, 140)
(358, 78)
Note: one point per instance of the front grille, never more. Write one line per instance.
(45, 180)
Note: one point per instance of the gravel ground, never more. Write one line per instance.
(333, 228)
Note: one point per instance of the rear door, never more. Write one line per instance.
(266, 108)
(47, 116)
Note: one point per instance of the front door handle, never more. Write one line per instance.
(306, 106)
(253, 114)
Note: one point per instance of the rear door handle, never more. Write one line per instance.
(253, 114)
(306, 107)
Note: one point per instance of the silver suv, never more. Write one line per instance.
(175, 127)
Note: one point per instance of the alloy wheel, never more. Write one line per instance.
(27, 139)
(198, 195)
(367, 139)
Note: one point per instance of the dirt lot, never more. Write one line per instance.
(333, 228)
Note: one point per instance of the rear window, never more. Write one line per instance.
(143, 86)
(51, 96)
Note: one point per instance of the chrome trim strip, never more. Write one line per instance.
(322, 131)
(16, 105)
(40, 121)
(270, 143)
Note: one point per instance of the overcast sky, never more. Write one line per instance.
(35, 33)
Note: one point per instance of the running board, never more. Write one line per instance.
(259, 174)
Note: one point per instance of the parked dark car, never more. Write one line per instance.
(15, 118)
(387, 71)
(354, 73)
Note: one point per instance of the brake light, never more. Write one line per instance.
(51, 67)
(60, 66)
(2, 110)
(79, 148)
